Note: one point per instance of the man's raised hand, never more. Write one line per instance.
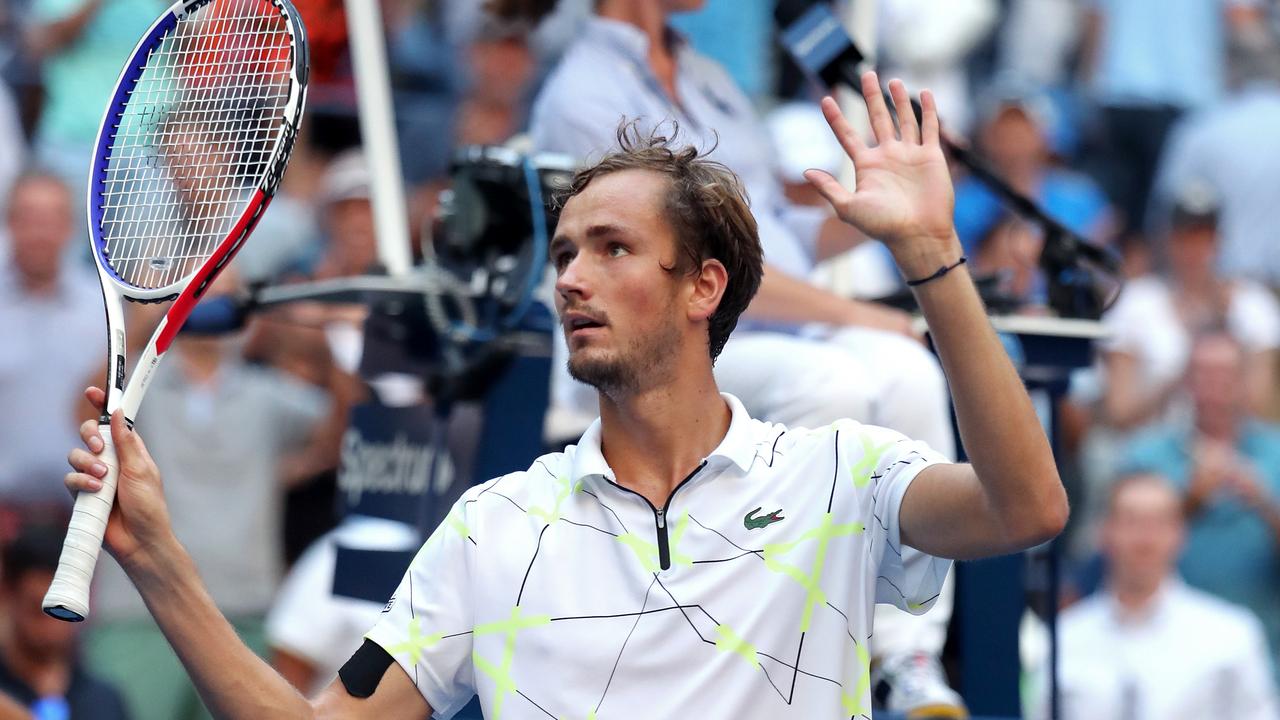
(903, 194)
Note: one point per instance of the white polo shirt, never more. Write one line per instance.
(556, 592)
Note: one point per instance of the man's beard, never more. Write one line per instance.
(645, 363)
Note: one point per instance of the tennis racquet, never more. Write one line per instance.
(192, 147)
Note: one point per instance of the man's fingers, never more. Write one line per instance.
(881, 122)
(86, 462)
(844, 132)
(929, 126)
(96, 396)
(828, 187)
(77, 482)
(89, 435)
(907, 126)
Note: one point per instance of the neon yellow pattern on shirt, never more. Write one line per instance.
(859, 703)
(728, 641)
(647, 552)
(564, 489)
(862, 470)
(824, 533)
(416, 643)
(503, 683)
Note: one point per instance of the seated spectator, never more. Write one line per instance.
(1226, 466)
(1011, 252)
(1155, 318)
(42, 372)
(1147, 646)
(38, 664)
(1016, 135)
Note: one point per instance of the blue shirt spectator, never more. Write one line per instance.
(1228, 469)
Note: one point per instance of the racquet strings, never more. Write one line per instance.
(195, 139)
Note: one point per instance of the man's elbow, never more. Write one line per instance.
(1042, 519)
(1052, 514)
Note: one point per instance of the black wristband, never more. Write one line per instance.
(941, 271)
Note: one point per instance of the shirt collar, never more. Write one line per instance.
(1164, 596)
(628, 38)
(737, 447)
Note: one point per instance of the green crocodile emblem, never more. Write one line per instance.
(755, 523)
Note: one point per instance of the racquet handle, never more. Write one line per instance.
(68, 596)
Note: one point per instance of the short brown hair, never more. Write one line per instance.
(708, 210)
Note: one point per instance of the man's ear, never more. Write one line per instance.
(708, 290)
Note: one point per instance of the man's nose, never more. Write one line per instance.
(574, 280)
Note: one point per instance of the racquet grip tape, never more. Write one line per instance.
(366, 668)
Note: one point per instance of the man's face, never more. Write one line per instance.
(35, 634)
(1192, 250)
(1214, 378)
(352, 237)
(40, 224)
(1142, 535)
(619, 307)
(1014, 140)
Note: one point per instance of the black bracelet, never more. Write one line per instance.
(941, 271)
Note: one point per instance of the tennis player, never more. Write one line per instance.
(683, 559)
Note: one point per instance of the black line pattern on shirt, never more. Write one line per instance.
(606, 507)
(531, 702)
(520, 595)
(835, 474)
(787, 697)
(623, 648)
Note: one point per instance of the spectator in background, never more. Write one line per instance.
(1038, 40)
(1153, 322)
(82, 45)
(1146, 646)
(926, 43)
(311, 631)
(41, 371)
(1011, 252)
(1235, 148)
(1016, 134)
(1226, 466)
(1146, 62)
(801, 142)
(224, 430)
(38, 663)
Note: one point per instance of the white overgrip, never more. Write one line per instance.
(68, 596)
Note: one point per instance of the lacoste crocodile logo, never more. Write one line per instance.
(755, 523)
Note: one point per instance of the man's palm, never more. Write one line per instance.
(903, 195)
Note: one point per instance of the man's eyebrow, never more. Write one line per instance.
(557, 243)
(592, 232)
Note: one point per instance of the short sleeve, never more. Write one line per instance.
(426, 625)
(906, 577)
(1255, 317)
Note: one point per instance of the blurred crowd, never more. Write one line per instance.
(1151, 127)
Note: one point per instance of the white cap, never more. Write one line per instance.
(346, 178)
(803, 140)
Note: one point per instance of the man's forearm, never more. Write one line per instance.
(998, 426)
(232, 681)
